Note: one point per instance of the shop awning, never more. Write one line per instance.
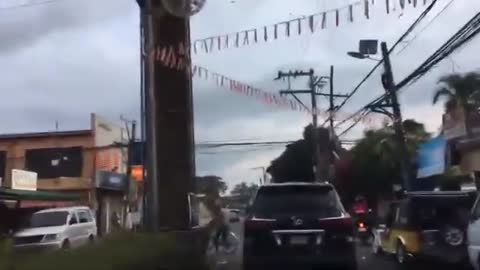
(13, 194)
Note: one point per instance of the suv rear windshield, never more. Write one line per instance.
(320, 201)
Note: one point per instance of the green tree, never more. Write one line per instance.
(210, 185)
(461, 91)
(244, 191)
(296, 162)
(374, 162)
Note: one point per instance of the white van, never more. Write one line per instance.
(57, 228)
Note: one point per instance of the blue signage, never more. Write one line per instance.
(431, 157)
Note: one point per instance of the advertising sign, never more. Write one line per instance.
(112, 181)
(24, 180)
(431, 157)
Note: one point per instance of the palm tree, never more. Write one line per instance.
(461, 90)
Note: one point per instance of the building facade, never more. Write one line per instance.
(83, 162)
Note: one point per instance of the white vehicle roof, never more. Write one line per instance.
(68, 209)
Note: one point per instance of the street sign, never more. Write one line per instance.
(431, 157)
(24, 180)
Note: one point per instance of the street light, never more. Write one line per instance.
(362, 56)
(370, 47)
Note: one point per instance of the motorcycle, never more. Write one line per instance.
(363, 228)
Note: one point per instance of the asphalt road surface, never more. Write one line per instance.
(366, 260)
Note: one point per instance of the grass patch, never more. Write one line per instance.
(126, 251)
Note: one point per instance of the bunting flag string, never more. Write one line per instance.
(286, 29)
(175, 58)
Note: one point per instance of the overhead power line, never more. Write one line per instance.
(426, 26)
(402, 37)
(31, 4)
(460, 38)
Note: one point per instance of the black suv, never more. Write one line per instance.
(298, 224)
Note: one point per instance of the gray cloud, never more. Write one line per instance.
(65, 60)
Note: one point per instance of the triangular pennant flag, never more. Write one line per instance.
(424, 2)
(402, 4)
(414, 3)
(387, 6)
(275, 31)
(337, 17)
(287, 28)
(237, 39)
(311, 23)
(245, 39)
(366, 9)
(226, 41)
(324, 20)
(195, 46)
(219, 42)
(373, 2)
(205, 45)
(350, 13)
(211, 44)
(194, 70)
(265, 33)
(409, 1)
(255, 37)
(299, 25)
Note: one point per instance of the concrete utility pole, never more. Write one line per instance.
(313, 83)
(391, 89)
(169, 122)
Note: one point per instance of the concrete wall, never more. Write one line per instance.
(108, 133)
(16, 148)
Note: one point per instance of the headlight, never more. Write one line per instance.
(50, 237)
(454, 236)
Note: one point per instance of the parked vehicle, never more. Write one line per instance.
(57, 228)
(474, 235)
(296, 224)
(428, 225)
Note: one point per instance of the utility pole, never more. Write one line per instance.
(169, 122)
(391, 89)
(313, 82)
(331, 98)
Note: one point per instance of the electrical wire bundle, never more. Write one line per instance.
(465, 34)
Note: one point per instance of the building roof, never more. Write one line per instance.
(79, 132)
(14, 194)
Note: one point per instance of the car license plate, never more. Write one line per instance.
(362, 229)
(298, 240)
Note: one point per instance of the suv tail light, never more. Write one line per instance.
(258, 223)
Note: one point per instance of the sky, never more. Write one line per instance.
(62, 60)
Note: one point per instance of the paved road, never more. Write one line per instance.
(366, 260)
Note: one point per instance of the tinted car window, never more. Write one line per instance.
(430, 213)
(84, 216)
(48, 219)
(320, 201)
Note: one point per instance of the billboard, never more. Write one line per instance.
(24, 180)
(431, 157)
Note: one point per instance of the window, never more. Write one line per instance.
(48, 219)
(73, 219)
(55, 162)
(84, 216)
(3, 163)
(290, 200)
